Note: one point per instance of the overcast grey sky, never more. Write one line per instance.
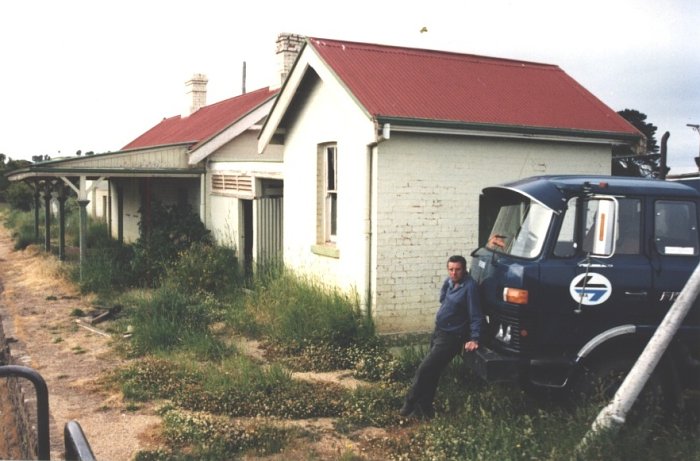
(93, 75)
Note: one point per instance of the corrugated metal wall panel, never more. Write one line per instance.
(269, 229)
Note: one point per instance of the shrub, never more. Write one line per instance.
(21, 223)
(105, 269)
(165, 231)
(369, 360)
(205, 268)
(217, 437)
(294, 312)
(20, 196)
(237, 387)
(152, 378)
(373, 406)
(97, 230)
(172, 319)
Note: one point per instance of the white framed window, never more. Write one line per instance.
(328, 194)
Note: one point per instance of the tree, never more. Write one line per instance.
(638, 120)
(6, 166)
(626, 163)
(20, 196)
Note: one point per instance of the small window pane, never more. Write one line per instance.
(675, 228)
(566, 242)
(334, 214)
(330, 224)
(629, 226)
(330, 164)
(598, 225)
(522, 227)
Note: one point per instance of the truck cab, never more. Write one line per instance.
(580, 270)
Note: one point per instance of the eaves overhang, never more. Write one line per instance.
(281, 101)
(43, 172)
(248, 121)
(186, 144)
(444, 127)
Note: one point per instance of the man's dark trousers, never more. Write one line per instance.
(443, 348)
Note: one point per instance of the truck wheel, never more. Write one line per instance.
(600, 380)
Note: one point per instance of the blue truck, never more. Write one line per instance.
(576, 272)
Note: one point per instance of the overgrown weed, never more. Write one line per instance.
(180, 359)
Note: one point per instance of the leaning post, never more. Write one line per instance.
(612, 417)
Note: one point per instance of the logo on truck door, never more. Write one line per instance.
(590, 289)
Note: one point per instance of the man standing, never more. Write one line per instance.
(457, 327)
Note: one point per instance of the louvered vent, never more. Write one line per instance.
(231, 183)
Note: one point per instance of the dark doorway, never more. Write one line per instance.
(247, 206)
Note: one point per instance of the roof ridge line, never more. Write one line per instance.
(416, 50)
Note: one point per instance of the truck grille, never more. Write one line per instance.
(505, 322)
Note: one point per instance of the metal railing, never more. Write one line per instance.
(77, 446)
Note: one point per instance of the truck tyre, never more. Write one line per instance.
(600, 380)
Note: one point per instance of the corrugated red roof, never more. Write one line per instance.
(204, 123)
(422, 84)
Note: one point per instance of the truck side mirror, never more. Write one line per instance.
(600, 235)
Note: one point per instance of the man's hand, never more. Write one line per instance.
(497, 241)
(471, 346)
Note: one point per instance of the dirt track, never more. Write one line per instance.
(35, 308)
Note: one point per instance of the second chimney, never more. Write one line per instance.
(195, 94)
(288, 47)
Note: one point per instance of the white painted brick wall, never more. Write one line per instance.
(427, 209)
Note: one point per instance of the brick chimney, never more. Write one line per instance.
(288, 47)
(195, 94)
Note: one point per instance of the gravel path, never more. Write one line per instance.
(35, 308)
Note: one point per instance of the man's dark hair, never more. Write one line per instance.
(458, 259)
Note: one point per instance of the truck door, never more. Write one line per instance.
(674, 250)
(597, 292)
(620, 285)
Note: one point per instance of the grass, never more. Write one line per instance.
(22, 225)
(218, 403)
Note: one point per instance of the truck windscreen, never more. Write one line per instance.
(520, 228)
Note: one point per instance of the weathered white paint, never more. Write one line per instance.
(162, 158)
(224, 216)
(232, 141)
(424, 208)
(98, 197)
(427, 209)
(131, 215)
(224, 222)
(164, 190)
(243, 148)
(329, 116)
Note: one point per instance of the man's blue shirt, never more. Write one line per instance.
(460, 308)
